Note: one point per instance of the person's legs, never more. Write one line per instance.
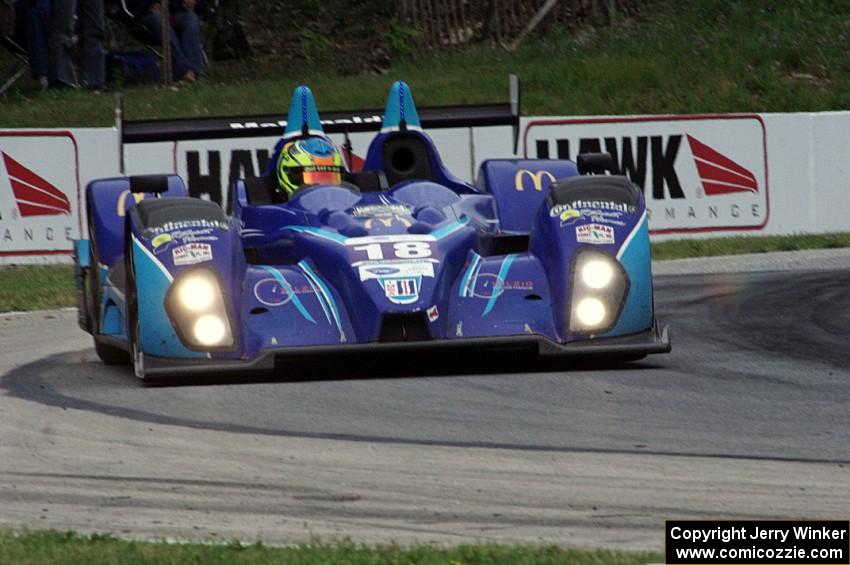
(37, 20)
(61, 43)
(188, 28)
(19, 9)
(153, 23)
(93, 62)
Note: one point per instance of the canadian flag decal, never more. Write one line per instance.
(34, 195)
(720, 174)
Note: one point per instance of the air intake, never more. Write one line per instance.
(404, 327)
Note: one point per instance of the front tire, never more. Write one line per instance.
(110, 355)
(132, 309)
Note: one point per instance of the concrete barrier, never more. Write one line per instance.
(703, 175)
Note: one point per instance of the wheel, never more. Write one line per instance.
(132, 309)
(111, 355)
(108, 354)
(629, 358)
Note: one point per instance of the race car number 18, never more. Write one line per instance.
(399, 250)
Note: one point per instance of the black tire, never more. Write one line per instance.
(93, 282)
(132, 306)
(629, 358)
(111, 355)
(108, 354)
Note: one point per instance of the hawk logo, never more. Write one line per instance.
(34, 195)
(720, 174)
(698, 173)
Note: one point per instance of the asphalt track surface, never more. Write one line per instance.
(749, 417)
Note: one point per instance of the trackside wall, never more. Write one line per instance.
(703, 176)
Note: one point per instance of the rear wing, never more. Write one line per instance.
(339, 121)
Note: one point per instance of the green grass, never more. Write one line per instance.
(41, 287)
(681, 249)
(36, 288)
(681, 57)
(59, 548)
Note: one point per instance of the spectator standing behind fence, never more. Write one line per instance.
(187, 53)
(61, 44)
(32, 30)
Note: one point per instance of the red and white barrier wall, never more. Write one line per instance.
(711, 175)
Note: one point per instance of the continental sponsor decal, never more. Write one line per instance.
(183, 225)
(165, 241)
(578, 205)
(536, 179)
(571, 216)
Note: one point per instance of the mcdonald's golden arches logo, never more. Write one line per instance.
(388, 221)
(536, 179)
(122, 201)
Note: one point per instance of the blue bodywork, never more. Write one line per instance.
(332, 266)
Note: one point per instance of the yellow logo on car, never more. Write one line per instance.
(536, 179)
(569, 215)
(161, 239)
(388, 221)
(122, 201)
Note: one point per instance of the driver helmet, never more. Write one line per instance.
(309, 160)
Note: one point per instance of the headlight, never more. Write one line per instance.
(590, 312)
(196, 293)
(196, 306)
(597, 273)
(599, 289)
(210, 330)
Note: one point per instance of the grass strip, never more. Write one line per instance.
(68, 548)
(36, 287)
(685, 248)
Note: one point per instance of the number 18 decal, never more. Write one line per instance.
(389, 251)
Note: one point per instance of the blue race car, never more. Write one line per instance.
(310, 258)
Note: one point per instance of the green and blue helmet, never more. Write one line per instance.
(309, 160)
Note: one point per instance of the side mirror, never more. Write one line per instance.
(595, 163)
(156, 184)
